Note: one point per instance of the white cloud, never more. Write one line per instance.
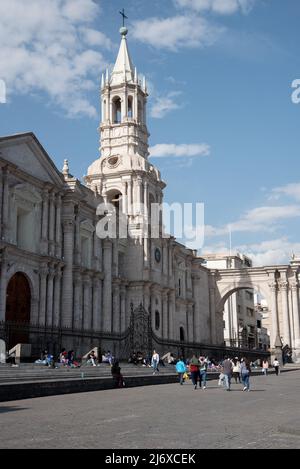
(164, 104)
(271, 252)
(264, 218)
(178, 31)
(222, 7)
(291, 190)
(260, 219)
(46, 46)
(164, 150)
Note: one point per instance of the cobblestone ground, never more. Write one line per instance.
(165, 416)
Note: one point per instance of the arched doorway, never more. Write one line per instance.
(18, 304)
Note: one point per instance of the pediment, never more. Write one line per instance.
(26, 152)
(27, 192)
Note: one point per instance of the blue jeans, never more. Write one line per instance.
(227, 380)
(245, 379)
(203, 377)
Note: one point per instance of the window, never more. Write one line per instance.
(181, 334)
(179, 287)
(25, 234)
(250, 312)
(157, 320)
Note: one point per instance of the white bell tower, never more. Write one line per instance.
(123, 172)
(124, 98)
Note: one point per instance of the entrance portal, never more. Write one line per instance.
(18, 302)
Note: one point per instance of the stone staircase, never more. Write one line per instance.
(29, 372)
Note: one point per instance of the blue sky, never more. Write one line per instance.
(220, 75)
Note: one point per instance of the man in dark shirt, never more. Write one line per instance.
(227, 370)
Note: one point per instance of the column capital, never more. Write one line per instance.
(294, 286)
(58, 271)
(77, 278)
(44, 270)
(273, 287)
(68, 225)
(86, 279)
(96, 280)
(51, 272)
(283, 285)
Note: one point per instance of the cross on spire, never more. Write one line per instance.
(122, 13)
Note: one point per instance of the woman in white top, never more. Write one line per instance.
(236, 370)
(276, 365)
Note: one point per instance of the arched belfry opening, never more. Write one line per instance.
(18, 305)
(115, 197)
(116, 110)
(130, 107)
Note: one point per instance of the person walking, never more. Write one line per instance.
(276, 365)
(265, 367)
(236, 370)
(227, 370)
(194, 369)
(155, 362)
(117, 375)
(245, 372)
(181, 369)
(203, 372)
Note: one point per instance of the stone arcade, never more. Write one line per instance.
(61, 285)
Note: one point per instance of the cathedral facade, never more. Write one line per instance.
(64, 284)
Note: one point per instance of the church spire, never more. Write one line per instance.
(123, 71)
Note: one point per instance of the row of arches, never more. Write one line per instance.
(128, 111)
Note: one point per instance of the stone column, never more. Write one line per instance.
(116, 309)
(172, 303)
(165, 312)
(57, 290)
(285, 313)
(3, 286)
(67, 310)
(97, 296)
(52, 224)
(77, 241)
(107, 285)
(165, 259)
(87, 306)
(123, 308)
(190, 323)
(170, 259)
(1, 198)
(196, 297)
(295, 302)
(212, 307)
(58, 226)
(45, 222)
(138, 195)
(5, 210)
(145, 199)
(274, 311)
(124, 198)
(49, 316)
(77, 300)
(43, 292)
(129, 197)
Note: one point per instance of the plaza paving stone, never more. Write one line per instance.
(164, 416)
